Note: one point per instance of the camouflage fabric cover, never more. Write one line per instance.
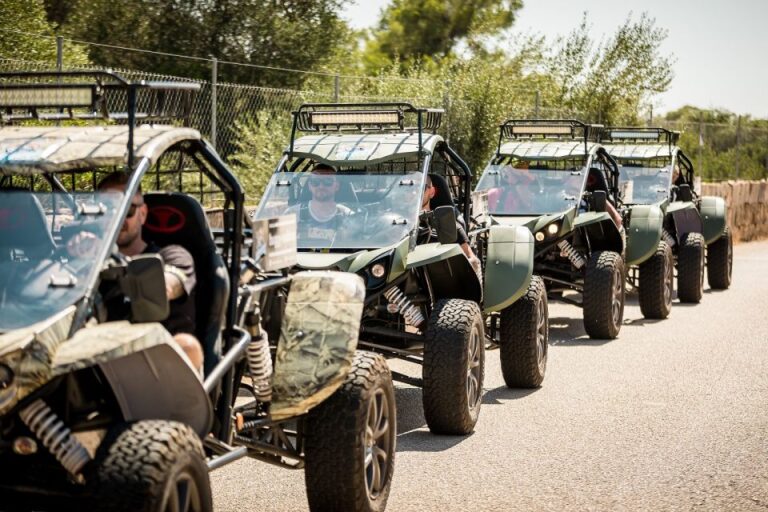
(109, 341)
(348, 149)
(29, 352)
(550, 150)
(317, 340)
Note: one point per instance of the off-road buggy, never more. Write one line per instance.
(669, 225)
(555, 179)
(102, 413)
(424, 302)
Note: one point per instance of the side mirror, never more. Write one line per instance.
(144, 284)
(684, 193)
(445, 224)
(599, 198)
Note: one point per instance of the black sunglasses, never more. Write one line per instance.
(325, 181)
(132, 209)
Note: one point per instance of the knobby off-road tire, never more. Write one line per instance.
(604, 295)
(657, 280)
(690, 268)
(720, 261)
(152, 466)
(454, 367)
(524, 339)
(350, 441)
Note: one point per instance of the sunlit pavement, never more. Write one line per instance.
(671, 415)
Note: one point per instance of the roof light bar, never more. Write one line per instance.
(626, 134)
(356, 118)
(541, 130)
(60, 96)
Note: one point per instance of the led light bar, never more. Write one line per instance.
(541, 129)
(64, 96)
(355, 118)
(626, 134)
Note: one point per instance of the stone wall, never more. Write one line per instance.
(747, 206)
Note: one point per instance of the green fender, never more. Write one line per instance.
(713, 217)
(643, 232)
(508, 267)
(449, 270)
(603, 233)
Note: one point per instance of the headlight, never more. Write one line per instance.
(378, 270)
(539, 236)
(552, 229)
(7, 386)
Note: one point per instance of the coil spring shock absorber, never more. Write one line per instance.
(410, 312)
(667, 237)
(56, 437)
(567, 250)
(260, 365)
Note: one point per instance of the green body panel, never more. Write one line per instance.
(713, 217)
(508, 267)
(587, 218)
(535, 224)
(318, 338)
(353, 262)
(643, 232)
(426, 254)
(676, 206)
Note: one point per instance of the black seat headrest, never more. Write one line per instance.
(442, 195)
(23, 226)
(596, 181)
(175, 218)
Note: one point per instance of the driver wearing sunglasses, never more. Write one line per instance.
(319, 217)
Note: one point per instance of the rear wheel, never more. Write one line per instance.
(690, 268)
(152, 466)
(350, 441)
(604, 295)
(525, 338)
(657, 283)
(720, 261)
(454, 366)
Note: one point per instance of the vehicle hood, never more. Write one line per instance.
(346, 262)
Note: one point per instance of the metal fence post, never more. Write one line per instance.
(447, 108)
(336, 88)
(738, 147)
(214, 80)
(59, 53)
(537, 105)
(701, 146)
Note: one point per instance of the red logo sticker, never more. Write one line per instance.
(165, 219)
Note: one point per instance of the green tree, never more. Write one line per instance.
(419, 30)
(297, 34)
(609, 82)
(30, 37)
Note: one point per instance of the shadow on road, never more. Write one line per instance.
(503, 394)
(569, 332)
(411, 425)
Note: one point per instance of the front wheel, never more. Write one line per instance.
(454, 366)
(657, 283)
(350, 441)
(690, 268)
(720, 261)
(152, 466)
(604, 295)
(524, 341)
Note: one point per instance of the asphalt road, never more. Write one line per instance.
(672, 415)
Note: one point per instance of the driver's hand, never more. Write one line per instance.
(83, 245)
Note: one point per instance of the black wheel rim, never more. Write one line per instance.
(730, 258)
(474, 369)
(184, 495)
(618, 285)
(541, 336)
(378, 443)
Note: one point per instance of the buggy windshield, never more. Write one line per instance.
(48, 244)
(650, 184)
(531, 191)
(348, 209)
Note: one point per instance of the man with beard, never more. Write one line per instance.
(179, 271)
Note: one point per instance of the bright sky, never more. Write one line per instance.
(721, 46)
